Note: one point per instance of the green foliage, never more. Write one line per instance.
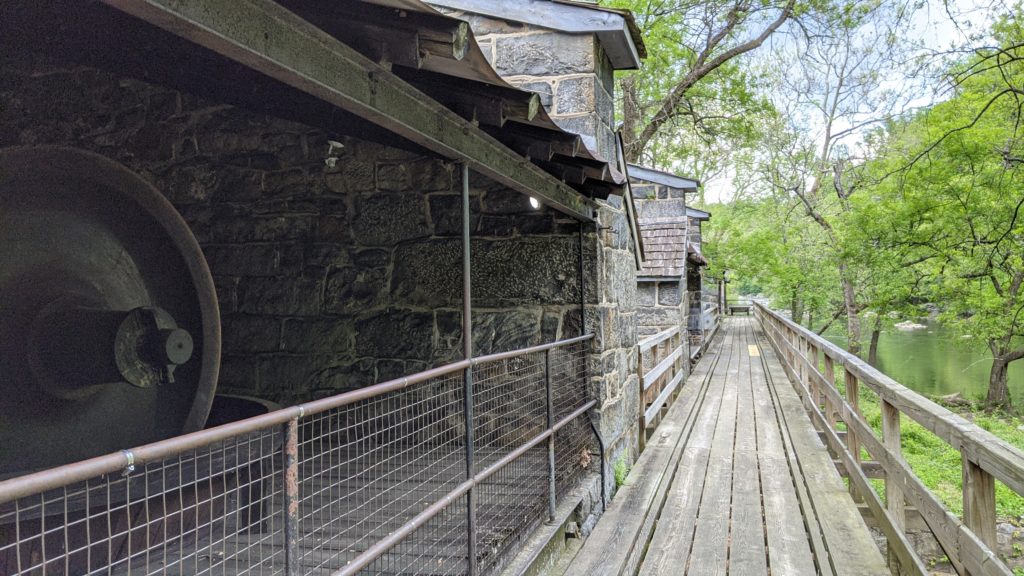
(621, 471)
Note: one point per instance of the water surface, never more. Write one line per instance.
(936, 362)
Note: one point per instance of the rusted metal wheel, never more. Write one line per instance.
(109, 326)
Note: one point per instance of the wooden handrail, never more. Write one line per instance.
(659, 384)
(968, 543)
(651, 342)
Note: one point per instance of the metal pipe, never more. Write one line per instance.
(382, 546)
(530, 350)
(467, 348)
(583, 286)
(552, 496)
(290, 466)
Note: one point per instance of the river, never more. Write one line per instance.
(936, 362)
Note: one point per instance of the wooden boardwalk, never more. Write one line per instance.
(734, 481)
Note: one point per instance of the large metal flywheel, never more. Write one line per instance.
(109, 327)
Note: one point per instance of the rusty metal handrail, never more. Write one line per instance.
(116, 462)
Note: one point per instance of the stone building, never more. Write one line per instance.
(662, 214)
(316, 152)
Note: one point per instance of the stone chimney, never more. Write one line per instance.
(567, 52)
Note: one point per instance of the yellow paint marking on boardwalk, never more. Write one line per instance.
(753, 350)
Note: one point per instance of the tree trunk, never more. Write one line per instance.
(998, 391)
(852, 320)
(810, 319)
(876, 331)
(796, 309)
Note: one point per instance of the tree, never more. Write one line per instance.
(961, 196)
(692, 85)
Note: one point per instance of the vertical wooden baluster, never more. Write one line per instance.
(893, 493)
(641, 420)
(979, 501)
(852, 443)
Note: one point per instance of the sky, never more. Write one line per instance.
(931, 27)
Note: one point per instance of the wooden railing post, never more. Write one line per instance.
(852, 443)
(641, 419)
(979, 490)
(893, 493)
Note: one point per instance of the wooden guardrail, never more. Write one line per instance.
(969, 542)
(661, 363)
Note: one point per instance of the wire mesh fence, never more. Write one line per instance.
(378, 481)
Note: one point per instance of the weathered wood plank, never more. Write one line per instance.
(993, 454)
(669, 548)
(710, 552)
(789, 549)
(964, 549)
(618, 539)
(747, 554)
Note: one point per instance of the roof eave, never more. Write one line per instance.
(611, 27)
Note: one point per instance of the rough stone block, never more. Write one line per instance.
(669, 294)
(349, 290)
(446, 213)
(243, 333)
(395, 334)
(448, 325)
(387, 219)
(227, 292)
(327, 256)
(286, 296)
(545, 90)
(494, 226)
(645, 294)
(576, 95)
(350, 175)
(507, 330)
(484, 25)
(242, 260)
(333, 229)
(505, 272)
(620, 278)
(234, 228)
(585, 126)
(319, 335)
(238, 375)
(549, 327)
(505, 201)
(425, 175)
(659, 317)
(545, 54)
(529, 224)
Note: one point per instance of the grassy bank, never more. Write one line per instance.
(938, 465)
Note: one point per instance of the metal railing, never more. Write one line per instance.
(968, 542)
(661, 362)
(373, 481)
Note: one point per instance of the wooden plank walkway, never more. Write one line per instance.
(735, 481)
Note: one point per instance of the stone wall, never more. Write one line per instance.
(661, 304)
(613, 319)
(337, 260)
(570, 72)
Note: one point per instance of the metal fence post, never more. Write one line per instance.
(290, 466)
(467, 344)
(551, 438)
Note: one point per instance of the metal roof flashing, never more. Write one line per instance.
(619, 35)
(664, 178)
